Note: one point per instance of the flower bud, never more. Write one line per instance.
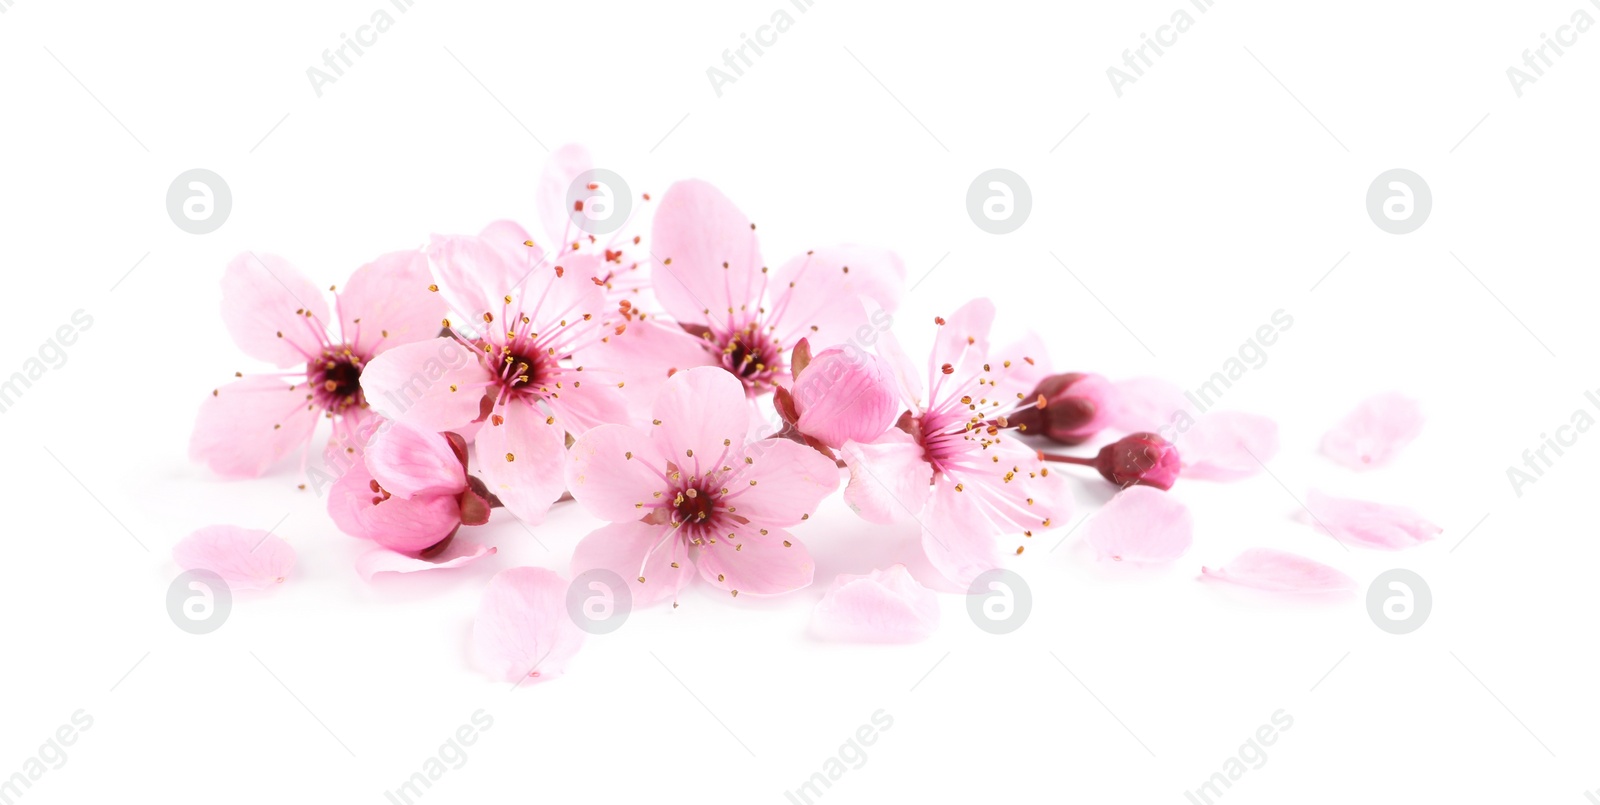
(1139, 458)
(1072, 407)
(845, 394)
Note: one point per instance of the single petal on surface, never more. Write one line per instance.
(387, 303)
(265, 300)
(523, 630)
(754, 563)
(700, 231)
(1141, 524)
(824, 295)
(561, 169)
(703, 415)
(249, 425)
(889, 479)
(1146, 404)
(884, 606)
(1373, 434)
(1227, 446)
(622, 547)
(382, 560)
(407, 462)
(523, 461)
(1280, 571)
(613, 468)
(1372, 525)
(436, 384)
(247, 559)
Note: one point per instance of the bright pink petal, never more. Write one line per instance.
(715, 261)
(622, 549)
(1373, 434)
(1227, 446)
(382, 560)
(1146, 404)
(884, 606)
(561, 169)
(402, 525)
(612, 469)
(701, 417)
(436, 384)
(1141, 524)
(957, 535)
(845, 395)
(756, 563)
(522, 461)
(836, 295)
(889, 479)
(247, 559)
(1372, 525)
(1279, 571)
(249, 425)
(523, 630)
(781, 483)
(387, 303)
(265, 302)
(408, 462)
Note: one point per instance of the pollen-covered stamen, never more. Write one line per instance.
(751, 354)
(692, 506)
(335, 379)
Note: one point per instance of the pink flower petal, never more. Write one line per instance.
(958, 536)
(456, 554)
(522, 461)
(621, 548)
(845, 394)
(756, 563)
(474, 273)
(249, 425)
(1372, 525)
(611, 469)
(702, 411)
(561, 169)
(436, 384)
(715, 258)
(782, 482)
(645, 353)
(963, 340)
(409, 462)
(884, 606)
(1374, 433)
(387, 303)
(1279, 571)
(523, 630)
(247, 559)
(265, 300)
(396, 523)
(1141, 524)
(1146, 404)
(828, 295)
(1226, 446)
(889, 479)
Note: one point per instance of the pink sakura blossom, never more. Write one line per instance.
(410, 493)
(522, 630)
(883, 606)
(950, 463)
(1141, 524)
(731, 311)
(1371, 525)
(1374, 433)
(519, 317)
(247, 559)
(564, 226)
(276, 315)
(692, 493)
(1280, 571)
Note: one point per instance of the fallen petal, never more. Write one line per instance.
(383, 560)
(247, 559)
(884, 606)
(1142, 524)
(523, 630)
(1371, 525)
(1373, 434)
(1227, 446)
(1280, 571)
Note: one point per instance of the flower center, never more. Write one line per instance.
(753, 357)
(693, 506)
(335, 379)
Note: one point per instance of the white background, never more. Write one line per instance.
(1190, 208)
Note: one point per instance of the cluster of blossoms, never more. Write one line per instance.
(702, 405)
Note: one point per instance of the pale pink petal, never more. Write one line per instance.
(622, 549)
(522, 461)
(523, 630)
(247, 559)
(264, 305)
(957, 534)
(387, 303)
(699, 230)
(889, 479)
(1375, 432)
(1372, 525)
(474, 274)
(756, 563)
(407, 462)
(382, 560)
(1227, 446)
(1017, 368)
(1141, 524)
(1147, 404)
(884, 606)
(561, 169)
(962, 341)
(1279, 571)
(845, 394)
(249, 425)
(403, 525)
(700, 415)
(348, 442)
(510, 238)
(906, 376)
(436, 384)
(583, 399)
(642, 357)
(781, 483)
(836, 295)
(612, 469)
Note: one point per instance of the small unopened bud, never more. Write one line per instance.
(845, 394)
(1071, 408)
(1139, 458)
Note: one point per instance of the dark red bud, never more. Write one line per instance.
(1139, 458)
(1069, 408)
